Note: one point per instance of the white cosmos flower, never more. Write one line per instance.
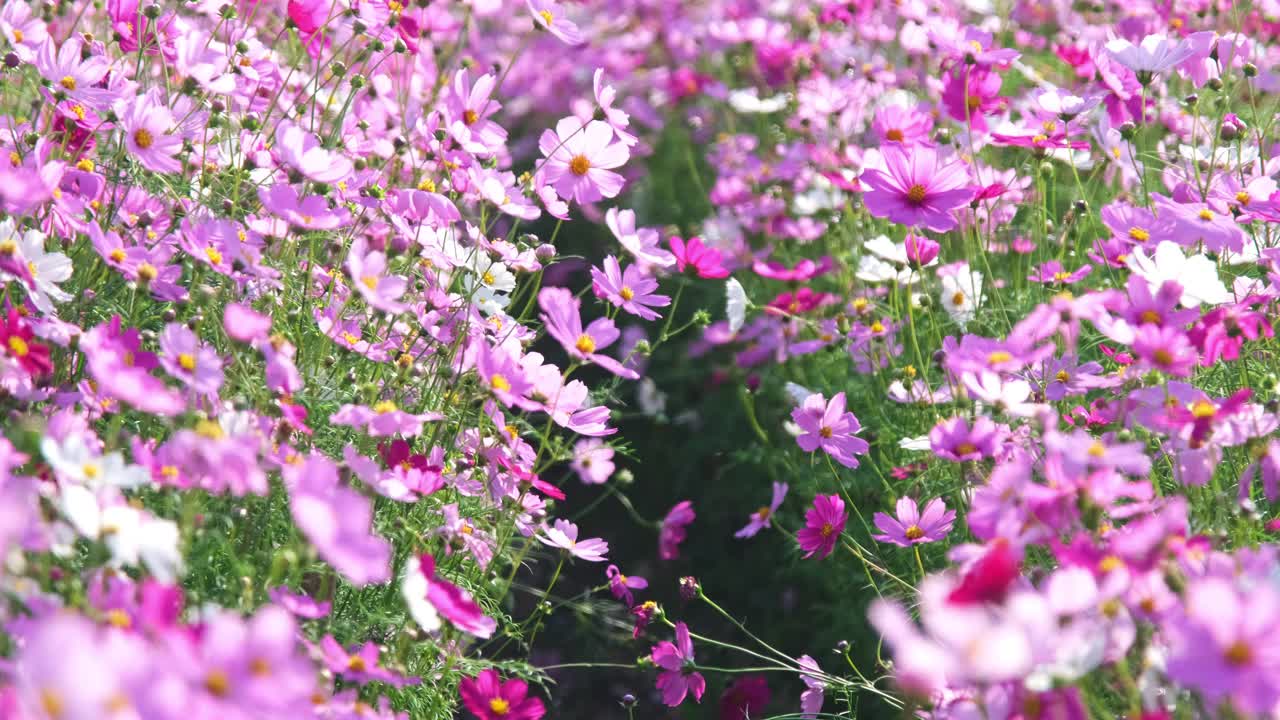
(735, 304)
(47, 268)
(874, 270)
(749, 101)
(1197, 274)
(74, 463)
(961, 292)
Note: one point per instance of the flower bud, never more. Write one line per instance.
(921, 250)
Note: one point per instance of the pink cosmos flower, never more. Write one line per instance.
(622, 585)
(592, 461)
(502, 374)
(468, 107)
(303, 606)
(912, 527)
(149, 132)
(678, 677)
(812, 697)
(828, 426)
(617, 118)
(917, 188)
(902, 125)
(957, 440)
(311, 212)
(823, 524)
(550, 17)
(74, 73)
(561, 313)
(121, 369)
(805, 269)
(630, 289)
(1052, 273)
(337, 520)
(707, 262)
(302, 151)
(564, 535)
(370, 278)
(360, 666)
(183, 356)
(1154, 54)
(643, 243)
(430, 596)
(745, 698)
(763, 517)
(244, 324)
(579, 160)
(489, 698)
(673, 530)
(384, 419)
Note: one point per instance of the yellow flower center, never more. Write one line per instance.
(427, 185)
(1205, 215)
(1203, 409)
(1097, 449)
(68, 82)
(469, 117)
(914, 532)
(894, 135)
(187, 362)
(85, 164)
(762, 513)
(142, 138)
(52, 703)
(147, 272)
(585, 344)
(1162, 356)
(370, 282)
(351, 339)
(957, 298)
(966, 448)
(547, 17)
(1243, 198)
(217, 683)
(1150, 317)
(209, 429)
(1139, 234)
(827, 530)
(1110, 563)
(500, 382)
(384, 407)
(1238, 654)
(1062, 376)
(999, 356)
(825, 432)
(90, 470)
(916, 194)
(1039, 138)
(119, 618)
(356, 663)
(260, 667)
(877, 327)
(18, 347)
(18, 36)
(8, 247)
(117, 255)
(214, 256)
(627, 293)
(487, 278)
(1061, 276)
(579, 165)
(498, 706)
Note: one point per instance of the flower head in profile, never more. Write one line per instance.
(430, 597)
(1153, 54)
(548, 15)
(706, 262)
(489, 698)
(827, 425)
(673, 530)
(763, 518)
(912, 527)
(580, 159)
(917, 188)
(823, 524)
(564, 535)
(678, 678)
(621, 585)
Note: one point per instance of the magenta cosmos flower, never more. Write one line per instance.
(707, 262)
(561, 313)
(430, 597)
(621, 585)
(673, 530)
(489, 698)
(763, 518)
(828, 426)
(917, 188)
(678, 677)
(580, 160)
(912, 527)
(564, 535)
(823, 524)
(630, 289)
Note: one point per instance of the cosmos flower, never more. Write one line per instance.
(823, 524)
(678, 679)
(580, 159)
(910, 527)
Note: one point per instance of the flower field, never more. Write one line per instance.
(737, 359)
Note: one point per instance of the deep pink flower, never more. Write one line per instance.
(823, 524)
(678, 677)
(360, 666)
(705, 260)
(18, 343)
(917, 188)
(489, 698)
(430, 596)
(745, 699)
